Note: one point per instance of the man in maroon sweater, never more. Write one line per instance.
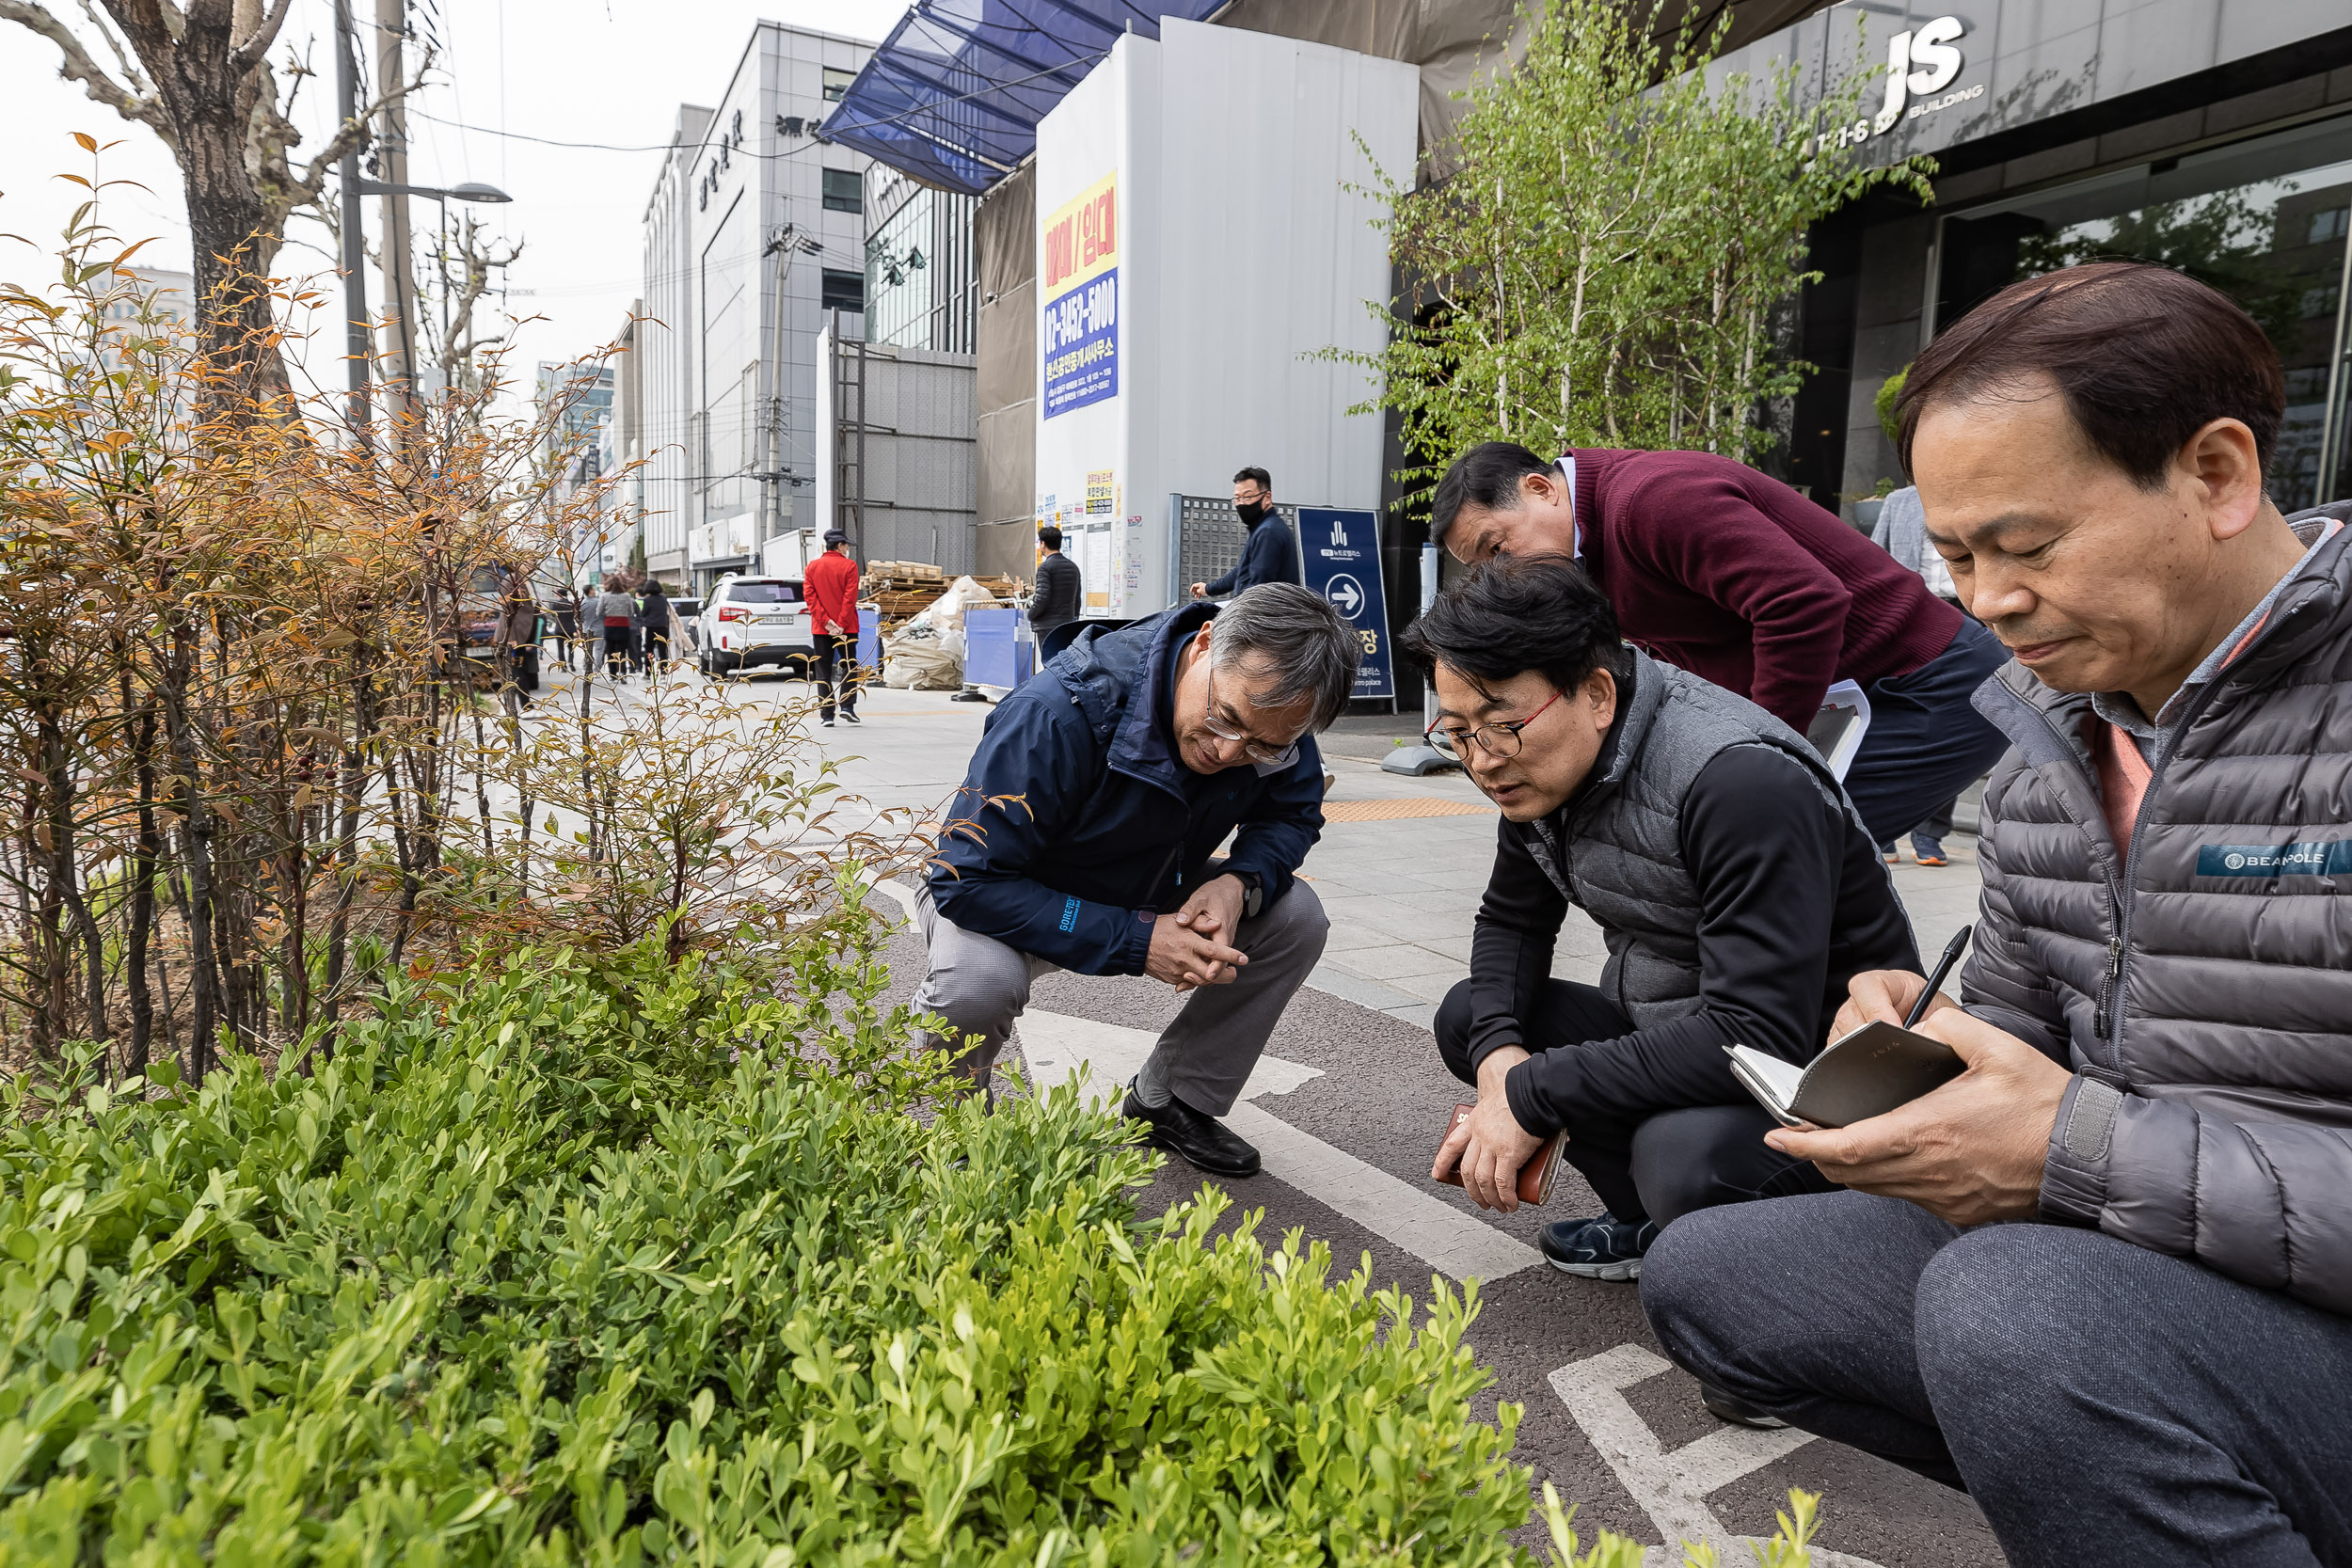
(1736, 577)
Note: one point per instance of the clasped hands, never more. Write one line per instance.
(1970, 1152)
(1194, 947)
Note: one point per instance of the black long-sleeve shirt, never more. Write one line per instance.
(1794, 902)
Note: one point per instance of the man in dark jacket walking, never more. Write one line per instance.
(1735, 887)
(2157, 1020)
(1736, 577)
(1055, 599)
(1082, 835)
(1270, 554)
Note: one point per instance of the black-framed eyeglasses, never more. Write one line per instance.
(1498, 740)
(1254, 749)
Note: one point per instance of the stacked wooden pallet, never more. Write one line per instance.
(899, 589)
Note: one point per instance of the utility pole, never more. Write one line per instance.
(784, 244)
(400, 289)
(355, 249)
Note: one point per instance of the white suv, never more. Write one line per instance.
(750, 621)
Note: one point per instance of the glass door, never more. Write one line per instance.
(2266, 221)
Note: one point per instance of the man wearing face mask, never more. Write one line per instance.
(1735, 887)
(1271, 555)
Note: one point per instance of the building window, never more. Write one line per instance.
(2330, 225)
(844, 291)
(836, 83)
(845, 191)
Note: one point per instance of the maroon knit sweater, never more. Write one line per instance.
(1737, 578)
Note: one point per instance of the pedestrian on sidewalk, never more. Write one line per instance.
(634, 586)
(2103, 1279)
(1084, 834)
(1736, 886)
(1270, 554)
(657, 617)
(1901, 533)
(616, 612)
(830, 585)
(1736, 577)
(1055, 599)
(518, 636)
(567, 626)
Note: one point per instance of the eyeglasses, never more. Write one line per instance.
(1498, 740)
(1254, 749)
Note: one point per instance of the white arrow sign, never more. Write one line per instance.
(1346, 594)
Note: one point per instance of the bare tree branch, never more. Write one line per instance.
(130, 71)
(351, 134)
(247, 54)
(79, 67)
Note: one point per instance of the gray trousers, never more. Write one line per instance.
(980, 985)
(2107, 1406)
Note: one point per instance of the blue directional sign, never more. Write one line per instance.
(1341, 551)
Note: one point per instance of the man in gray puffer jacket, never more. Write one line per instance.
(2157, 1022)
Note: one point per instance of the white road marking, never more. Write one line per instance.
(1672, 1487)
(1057, 1047)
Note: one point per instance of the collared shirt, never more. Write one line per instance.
(2151, 738)
(1576, 531)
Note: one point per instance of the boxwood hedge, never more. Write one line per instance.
(566, 1261)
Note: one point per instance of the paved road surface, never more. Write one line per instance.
(1347, 1109)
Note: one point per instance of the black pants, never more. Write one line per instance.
(1659, 1164)
(567, 636)
(658, 648)
(835, 661)
(620, 650)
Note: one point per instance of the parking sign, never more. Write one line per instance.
(1341, 552)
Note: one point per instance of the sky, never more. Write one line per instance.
(612, 72)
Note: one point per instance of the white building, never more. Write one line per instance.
(755, 240)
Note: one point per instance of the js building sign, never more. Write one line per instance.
(1080, 263)
(1342, 553)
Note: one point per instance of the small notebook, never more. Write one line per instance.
(1535, 1177)
(1858, 1076)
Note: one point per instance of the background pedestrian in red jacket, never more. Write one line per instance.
(1736, 577)
(831, 587)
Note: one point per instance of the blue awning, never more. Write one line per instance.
(954, 95)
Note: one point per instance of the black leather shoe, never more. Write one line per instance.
(1202, 1141)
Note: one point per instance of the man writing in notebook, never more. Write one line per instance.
(1735, 887)
(2157, 1019)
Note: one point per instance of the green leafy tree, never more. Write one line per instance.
(1606, 265)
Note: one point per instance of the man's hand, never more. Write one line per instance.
(1199, 590)
(1214, 908)
(1969, 1153)
(1883, 996)
(1490, 1146)
(1186, 958)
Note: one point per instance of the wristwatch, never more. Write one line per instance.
(1253, 893)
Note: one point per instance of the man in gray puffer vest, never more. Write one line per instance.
(1735, 885)
(2157, 1022)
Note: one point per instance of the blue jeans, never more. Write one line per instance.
(2105, 1404)
(1926, 743)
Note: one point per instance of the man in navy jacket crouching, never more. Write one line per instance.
(1083, 835)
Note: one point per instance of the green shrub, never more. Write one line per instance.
(568, 1261)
